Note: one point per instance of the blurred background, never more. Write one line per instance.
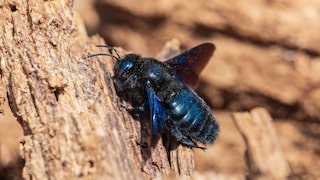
(267, 55)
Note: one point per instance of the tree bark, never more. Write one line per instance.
(264, 156)
(66, 104)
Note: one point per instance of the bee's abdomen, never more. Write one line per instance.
(192, 116)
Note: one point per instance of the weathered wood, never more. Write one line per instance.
(264, 157)
(66, 104)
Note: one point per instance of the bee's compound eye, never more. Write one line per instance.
(125, 66)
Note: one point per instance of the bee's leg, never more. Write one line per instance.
(135, 109)
(180, 137)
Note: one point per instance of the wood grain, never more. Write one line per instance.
(264, 156)
(66, 104)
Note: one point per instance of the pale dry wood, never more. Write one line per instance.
(66, 104)
(264, 156)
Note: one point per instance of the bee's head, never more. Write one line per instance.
(126, 65)
(123, 65)
(125, 69)
(126, 73)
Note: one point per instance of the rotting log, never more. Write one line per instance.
(66, 104)
(264, 157)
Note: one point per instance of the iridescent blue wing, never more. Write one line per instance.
(157, 114)
(189, 64)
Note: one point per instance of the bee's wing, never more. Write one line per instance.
(157, 114)
(189, 64)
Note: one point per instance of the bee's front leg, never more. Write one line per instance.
(135, 109)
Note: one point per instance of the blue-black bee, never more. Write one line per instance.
(161, 88)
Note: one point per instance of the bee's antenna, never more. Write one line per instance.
(111, 49)
(102, 54)
(118, 58)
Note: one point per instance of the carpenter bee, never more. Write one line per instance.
(161, 89)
